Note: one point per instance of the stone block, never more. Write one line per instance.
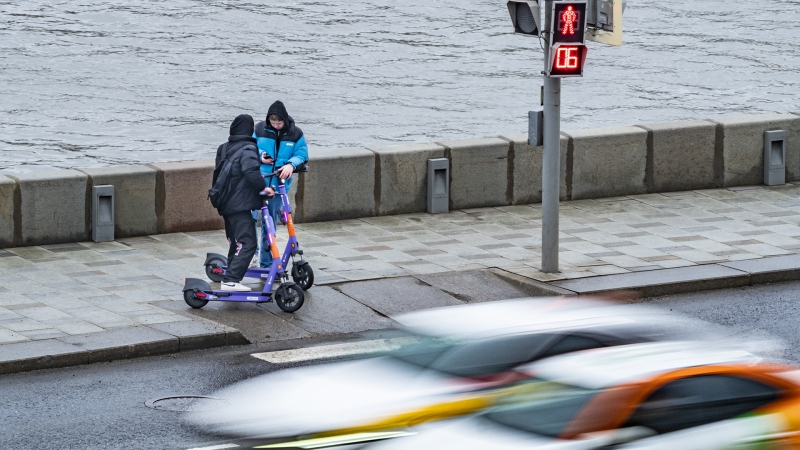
(134, 197)
(527, 170)
(398, 295)
(52, 207)
(654, 283)
(292, 198)
(479, 172)
(124, 343)
(680, 155)
(7, 227)
(769, 270)
(740, 147)
(327, 311)
(194, 335)
(608, 162)
(402, 177)
(474, 286)
(39, 354)
(182, 197)
(340, 184)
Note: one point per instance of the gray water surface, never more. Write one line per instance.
(93, 83)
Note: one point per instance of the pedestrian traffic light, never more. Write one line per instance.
(567, 37)
(525, 16)
(567, 60)
(569, 23)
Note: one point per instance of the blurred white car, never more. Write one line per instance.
(678, 395)
(452, 351)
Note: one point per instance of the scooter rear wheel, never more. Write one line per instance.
(289, 297)
(191, 300)
(303, 276)
(215, 263)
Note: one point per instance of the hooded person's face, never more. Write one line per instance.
(276, 122)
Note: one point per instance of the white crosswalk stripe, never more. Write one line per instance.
(332, 351)
(215, 447)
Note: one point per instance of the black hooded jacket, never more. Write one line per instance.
(246, 175)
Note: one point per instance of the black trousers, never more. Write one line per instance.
(241, 233)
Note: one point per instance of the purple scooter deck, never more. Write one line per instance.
(227, 296)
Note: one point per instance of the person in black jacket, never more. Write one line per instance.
(246, 182)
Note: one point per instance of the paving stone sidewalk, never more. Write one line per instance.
(90, 301)
(598, 237)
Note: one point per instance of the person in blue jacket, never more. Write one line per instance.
(281, 145)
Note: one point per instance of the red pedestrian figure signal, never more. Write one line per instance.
(568, 18)
(569, 22)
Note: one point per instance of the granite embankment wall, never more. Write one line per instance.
(55, 206)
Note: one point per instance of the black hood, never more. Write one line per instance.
(279, 109)
(242, 125)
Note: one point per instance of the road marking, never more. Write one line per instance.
(332, 351)
(331, 441)
(215, 447)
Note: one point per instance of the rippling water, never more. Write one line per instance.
(91, 83)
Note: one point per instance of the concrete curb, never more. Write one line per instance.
(533, 287)
(122, 343)
(680, 280)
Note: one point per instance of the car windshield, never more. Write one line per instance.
(472, 358)
(422, 351)
(547, 410)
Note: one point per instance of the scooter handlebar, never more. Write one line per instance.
(301, 168)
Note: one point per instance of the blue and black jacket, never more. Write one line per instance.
(287, 146)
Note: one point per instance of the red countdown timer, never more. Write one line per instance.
(567, 60)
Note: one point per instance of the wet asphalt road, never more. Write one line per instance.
(765, 311)
(102, 406)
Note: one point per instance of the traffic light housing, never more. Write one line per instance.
(567, 37)
(604, 21)
(525, 16)
(600, 15)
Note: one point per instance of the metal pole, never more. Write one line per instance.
(551, 159)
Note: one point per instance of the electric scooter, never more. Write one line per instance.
(216, 264)
(289, 296)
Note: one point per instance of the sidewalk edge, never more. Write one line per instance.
(72, 355)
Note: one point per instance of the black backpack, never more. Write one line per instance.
(219, 192)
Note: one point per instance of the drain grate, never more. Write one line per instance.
(185, 403)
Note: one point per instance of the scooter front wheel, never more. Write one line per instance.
(303, 275)
(289, 297)
(214, 270)
(191, 300)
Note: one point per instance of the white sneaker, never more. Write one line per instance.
(235, 287)
(254, 262)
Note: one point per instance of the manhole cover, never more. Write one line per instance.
(185, 403)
